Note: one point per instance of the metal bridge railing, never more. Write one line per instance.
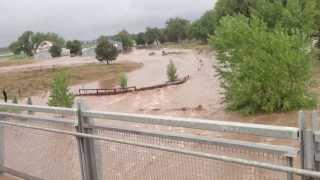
(61, 143)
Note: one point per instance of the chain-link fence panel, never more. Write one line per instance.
(122, 161)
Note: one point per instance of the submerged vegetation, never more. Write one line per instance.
(60, 95)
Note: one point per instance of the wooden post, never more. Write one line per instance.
(86, 148)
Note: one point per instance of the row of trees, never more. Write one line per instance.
(176, 30)
(29, 42)
(265, 53)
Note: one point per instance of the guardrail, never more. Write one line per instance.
(163, 144)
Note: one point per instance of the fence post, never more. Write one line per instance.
(307, 143)
(86, 147)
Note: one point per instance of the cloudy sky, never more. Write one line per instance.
(87, 19)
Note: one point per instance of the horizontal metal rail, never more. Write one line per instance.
(240, 161)
(285, 150)
(45, 109)
(36, 118)
(203, 124)
(210, 125)
(18, 174)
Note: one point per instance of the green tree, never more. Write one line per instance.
(176, 29)
(126, 40)
(172, 71)
(293, 15)
(140, 39)
(28, 42)
(15, 47)
(123, 81)
(75, 47)
(106, 51)
(55, 51)
(152, 35)
(60, 95)
(202, 28)
(263, 69)
(25, 40)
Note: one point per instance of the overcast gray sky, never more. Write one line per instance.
(87, 19)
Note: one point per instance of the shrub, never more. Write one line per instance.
(263, 70)
(123, 81)
(60, 95)
(55, 51)
(172, 71)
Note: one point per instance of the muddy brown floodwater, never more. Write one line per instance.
(200, 97)
(201, 90)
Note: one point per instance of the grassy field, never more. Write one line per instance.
(34, 82)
